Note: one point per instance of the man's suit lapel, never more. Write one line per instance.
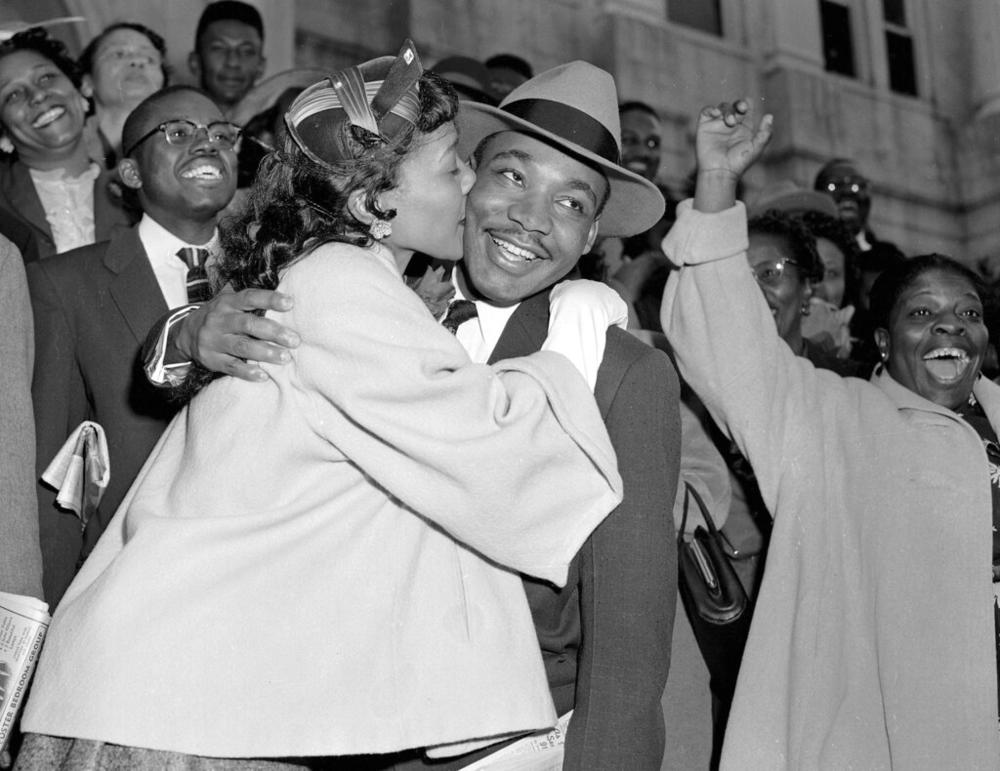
(134, 288)
(525, 330)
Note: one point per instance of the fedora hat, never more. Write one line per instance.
(786, 196)
(575, 108)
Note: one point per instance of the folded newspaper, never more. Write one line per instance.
(542, 751)
(23, 622)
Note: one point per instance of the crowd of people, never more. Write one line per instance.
(399, 437)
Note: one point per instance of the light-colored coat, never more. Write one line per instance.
(280, 580)
(873, 642)
(20, 557)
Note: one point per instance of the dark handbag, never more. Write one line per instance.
(714, 599)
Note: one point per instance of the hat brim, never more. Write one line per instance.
(634, 205)
(797, 202)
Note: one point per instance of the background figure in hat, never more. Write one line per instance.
(507, 72)
(548, 181)
(851, 190)
(308, 567)
(470, 78)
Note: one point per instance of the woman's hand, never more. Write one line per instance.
(727, 144)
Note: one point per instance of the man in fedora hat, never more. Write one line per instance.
(549, 180)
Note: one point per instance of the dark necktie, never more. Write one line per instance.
(198, 288)
(459, 311)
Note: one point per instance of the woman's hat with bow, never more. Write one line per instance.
(380, 96)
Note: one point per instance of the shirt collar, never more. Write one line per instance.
(160, 243)
(491, 318)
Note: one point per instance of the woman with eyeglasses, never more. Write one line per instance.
(53, 197)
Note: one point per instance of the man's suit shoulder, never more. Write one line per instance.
(632, 365)
(623, 350)
(83, 265)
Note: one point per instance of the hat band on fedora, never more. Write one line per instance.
(569, 123)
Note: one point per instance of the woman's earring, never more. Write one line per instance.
(380, 229)
(6, 145)
(805, 308)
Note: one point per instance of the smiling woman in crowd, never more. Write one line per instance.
(53, 198)
(873, 642)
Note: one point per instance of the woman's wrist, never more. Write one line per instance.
(715, 190)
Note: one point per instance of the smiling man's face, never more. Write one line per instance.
(183, 182)
(530, 216)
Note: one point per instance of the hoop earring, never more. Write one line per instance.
(380, 229)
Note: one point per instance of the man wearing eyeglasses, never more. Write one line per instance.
(840, 179)
(93, 306)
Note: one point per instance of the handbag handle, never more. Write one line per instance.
(689, 493)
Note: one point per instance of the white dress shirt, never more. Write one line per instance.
(479, 335)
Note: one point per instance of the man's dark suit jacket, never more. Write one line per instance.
(22, 218)
(605, 636)
(92, 308)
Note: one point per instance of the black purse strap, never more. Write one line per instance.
(689, 493)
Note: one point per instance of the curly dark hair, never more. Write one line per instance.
(891, 284)
(296, 205)
(37, 39)
(800, 240)
(86, 60)
(822, 225)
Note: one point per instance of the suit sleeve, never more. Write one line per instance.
(477, 449)
(629, 583)
(20, 556)
(61, 404)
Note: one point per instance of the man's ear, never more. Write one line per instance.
(358, 207)
(194, 64)
(261, 66)
(128, 170)
(592, 235)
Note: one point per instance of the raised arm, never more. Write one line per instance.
(724, 337)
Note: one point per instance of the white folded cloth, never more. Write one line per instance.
(81, 470)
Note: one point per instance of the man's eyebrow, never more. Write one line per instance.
(586, 187)
(520, 155)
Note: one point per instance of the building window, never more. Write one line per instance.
(700, 14)
(838, 48)
(899, 48)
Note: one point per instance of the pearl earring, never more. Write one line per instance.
(6, 145)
